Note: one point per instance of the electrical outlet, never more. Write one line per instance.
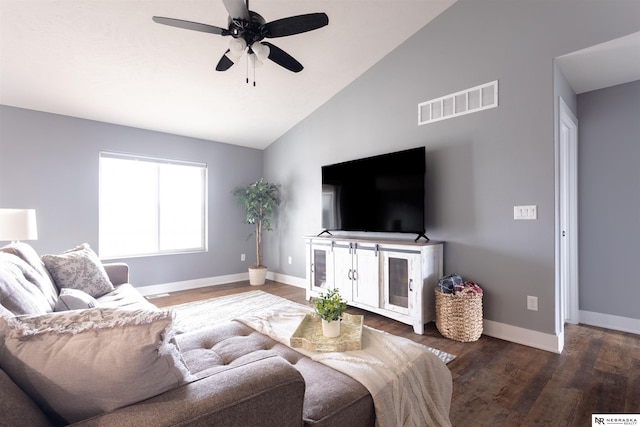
(243, 257)
(532, 303)
(290, 260)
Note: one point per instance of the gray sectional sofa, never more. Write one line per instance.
(79, 345)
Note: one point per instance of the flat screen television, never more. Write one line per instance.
(378, 194)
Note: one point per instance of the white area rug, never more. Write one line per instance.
(201, 314)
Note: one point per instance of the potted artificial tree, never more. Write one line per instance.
(330, 307)
(258, 200)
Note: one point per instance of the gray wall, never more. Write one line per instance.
(479, 165)
(609, 200)
(50, 163)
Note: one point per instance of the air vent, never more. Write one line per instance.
(460, 103)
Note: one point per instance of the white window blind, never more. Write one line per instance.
(151, 206)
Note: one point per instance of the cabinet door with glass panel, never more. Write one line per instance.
(321, 268)
(401, 281)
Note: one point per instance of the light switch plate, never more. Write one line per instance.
(525, 212)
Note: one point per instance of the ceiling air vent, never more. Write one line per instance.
(456, 104)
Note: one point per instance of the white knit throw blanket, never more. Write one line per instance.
(410, 385)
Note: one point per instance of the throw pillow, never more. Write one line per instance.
(42, 279)
(19, 293)
(74, 299)
(78, 364)
(79, 268)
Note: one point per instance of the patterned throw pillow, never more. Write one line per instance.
(79, 268)
(74, 299)
(81, 363)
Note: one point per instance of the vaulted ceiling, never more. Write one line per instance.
(106, 60)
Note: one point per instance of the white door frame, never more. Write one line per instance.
(567, 231)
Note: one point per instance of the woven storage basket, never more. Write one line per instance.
(459, 317)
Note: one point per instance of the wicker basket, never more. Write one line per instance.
(459, 317)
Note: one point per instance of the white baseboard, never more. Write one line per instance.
(535, 339)
(192, 284)
(218, 280)
(610, 321)
(298, 282)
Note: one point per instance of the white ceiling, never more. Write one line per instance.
(106, 60)
(607, 64)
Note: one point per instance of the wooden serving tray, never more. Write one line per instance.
(309, 336)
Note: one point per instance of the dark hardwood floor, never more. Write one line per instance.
(498, 383)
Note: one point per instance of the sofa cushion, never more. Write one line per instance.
(79, 268)
(77, 364)
(20, 292)
(74, 299)
(125, 296)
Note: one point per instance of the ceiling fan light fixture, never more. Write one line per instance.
(262, 51)
(237, 46)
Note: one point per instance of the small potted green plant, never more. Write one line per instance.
(258, 200)
(329, 307)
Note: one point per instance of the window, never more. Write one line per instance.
(151, 206)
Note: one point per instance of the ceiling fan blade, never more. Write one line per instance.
(225, 63)
(237, 9)
(296, 24)
(195, 26)
(282, 58)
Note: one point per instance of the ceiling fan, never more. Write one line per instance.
(248, 30)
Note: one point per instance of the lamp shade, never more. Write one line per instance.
(18, 224)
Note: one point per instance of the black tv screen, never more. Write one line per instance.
(379, 194)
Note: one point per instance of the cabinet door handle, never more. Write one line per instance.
(312, 268)
(411, 285)
(355, 275)
(349, 274)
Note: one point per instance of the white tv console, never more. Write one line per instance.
(394, 278)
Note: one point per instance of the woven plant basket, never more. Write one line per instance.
(459, 317)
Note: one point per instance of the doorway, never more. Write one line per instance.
(568, 224)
